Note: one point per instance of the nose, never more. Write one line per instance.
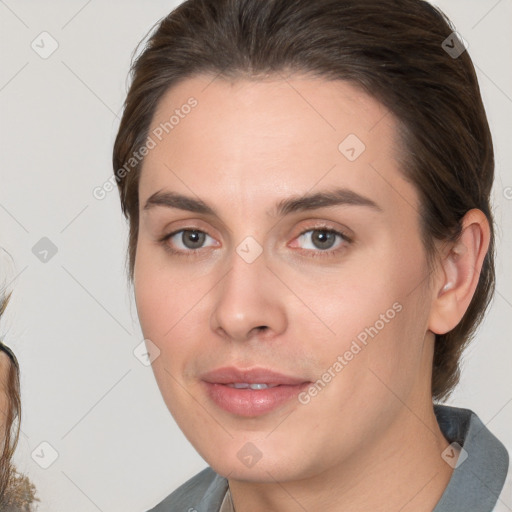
(249, 301)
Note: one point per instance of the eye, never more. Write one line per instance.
(185, 242)
(320, 241)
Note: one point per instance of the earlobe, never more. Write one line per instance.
(459, 272)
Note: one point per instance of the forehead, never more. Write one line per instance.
(262, 140)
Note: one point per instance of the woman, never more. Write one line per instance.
(17, 493)
(312, 247)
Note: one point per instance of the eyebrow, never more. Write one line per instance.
(328, 198)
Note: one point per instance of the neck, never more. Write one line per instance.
(401, 470)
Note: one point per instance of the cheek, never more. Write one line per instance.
(150, 297)
(161, 307)
(159, 293)
(397, 354)
(377, 317)
(171, 314)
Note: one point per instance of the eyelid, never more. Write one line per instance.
(344, 233)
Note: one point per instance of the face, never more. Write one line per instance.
(244, 284)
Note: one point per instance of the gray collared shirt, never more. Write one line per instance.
(476, 485)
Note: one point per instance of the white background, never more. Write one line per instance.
(72, 321)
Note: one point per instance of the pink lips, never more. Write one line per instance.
(246, 401)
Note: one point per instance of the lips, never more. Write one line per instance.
(230, 375)
(251, 392)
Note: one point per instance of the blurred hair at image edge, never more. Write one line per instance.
(17, 493)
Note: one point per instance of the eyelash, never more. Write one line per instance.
(314, 253)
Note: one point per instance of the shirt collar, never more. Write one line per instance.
(227, 504)
(479, 472)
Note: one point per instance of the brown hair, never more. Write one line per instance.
(17, 492)
(10, 427)
(393, 50)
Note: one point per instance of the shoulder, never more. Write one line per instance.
(504, 503)
(204, 492)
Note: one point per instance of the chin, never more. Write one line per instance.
(247, 463)
(260, 473)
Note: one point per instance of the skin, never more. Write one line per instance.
(5, 364)
(369, 440)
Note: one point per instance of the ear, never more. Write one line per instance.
(458, 274)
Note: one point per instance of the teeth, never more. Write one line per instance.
(258, 386)
(239, 385)
(245, 385)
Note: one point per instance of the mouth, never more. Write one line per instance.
(251, 392)
(245, 385)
